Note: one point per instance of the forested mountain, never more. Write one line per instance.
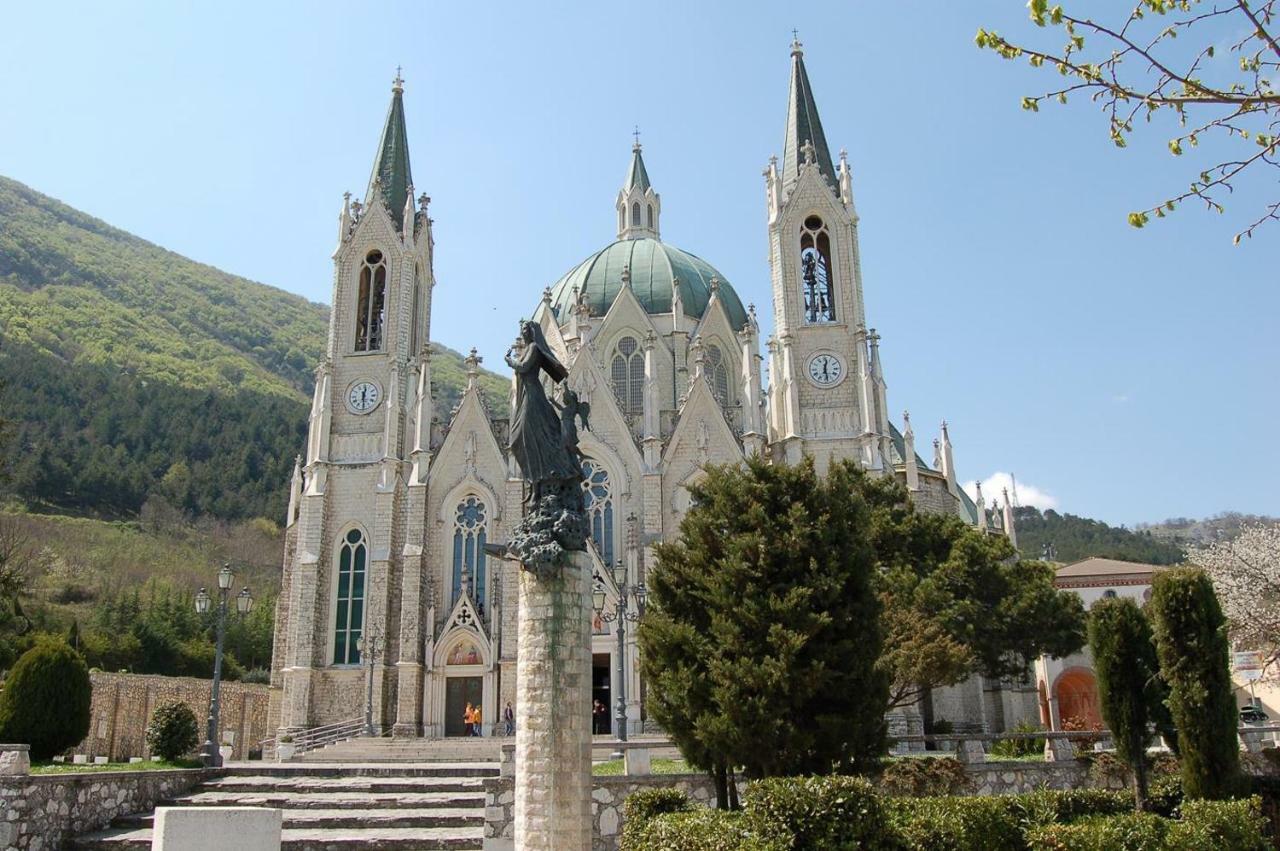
(133, 371)
(1075, 538)
(1185, 531)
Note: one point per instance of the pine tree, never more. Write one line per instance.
(1129, 685)
(1191, 641)
(760, 644)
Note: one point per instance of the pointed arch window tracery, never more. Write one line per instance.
(470, 528)
(371, 303)
(718, 373)
(635, 214)
(348, 623)
(626, 374)
(817, 281)
(597, 501)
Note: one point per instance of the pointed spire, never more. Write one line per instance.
(638, 205)
(391, 174)
(803, 125)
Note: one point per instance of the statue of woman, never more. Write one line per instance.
(536, 439)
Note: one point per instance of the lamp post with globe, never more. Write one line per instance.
(244, 602)
(622, 614)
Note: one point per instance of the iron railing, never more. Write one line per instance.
(316, 737)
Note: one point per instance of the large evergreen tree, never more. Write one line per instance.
(1129, 686)
(1191, 642)
(760, 644)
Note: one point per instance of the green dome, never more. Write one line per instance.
(653, 267)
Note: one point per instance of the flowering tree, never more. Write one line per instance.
(1211, 67)
(1246, 573)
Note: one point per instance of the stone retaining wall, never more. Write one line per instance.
(609, 793)
(123, 703)
(42, 812)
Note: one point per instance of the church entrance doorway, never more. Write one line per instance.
(458, 692)
(601, 723)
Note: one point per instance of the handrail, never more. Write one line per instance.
(313, 738)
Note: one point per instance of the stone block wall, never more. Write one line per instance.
(123, 704)
(43, 812)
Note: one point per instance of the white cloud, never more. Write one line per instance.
(994, 485)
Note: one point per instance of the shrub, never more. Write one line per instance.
(956, 823)
(1129, 832)
(1191, 642)
(924, 776)
(818, 812)
(1018, 748)
(1046, 806)
(642, 807)
(701, 829)
(172, 732)
(1213, 825)
(46, 699)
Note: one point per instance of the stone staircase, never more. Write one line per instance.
(388, 804)
(380, 750)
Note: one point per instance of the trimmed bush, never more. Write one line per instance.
(1191, 642)
(924, 776)
(818, 812)
(1046, 806)
(46, 699)
(1214, 825)
(1130, 832)
(956, 823)
(702, 829)
(172, 732)
(642, 807)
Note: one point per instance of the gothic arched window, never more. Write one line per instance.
(417, 308)
(468, 551)
(371, 303)
(650, 215)
(718, 373)
(348, 618)
(817, 283)
(597, 501)
(626, 373)
(635, 214)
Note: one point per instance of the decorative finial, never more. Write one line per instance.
(626, 275)
(715, 285)
(397, 85)
(810, 153)
(473, 362)
(636, 133)
(423, 200)
(546, 295)
(796, 46)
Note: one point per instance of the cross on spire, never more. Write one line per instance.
(397, 85)
(636, 134)
(795, 42)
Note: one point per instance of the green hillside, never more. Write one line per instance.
(133, 371)
(1075, 538)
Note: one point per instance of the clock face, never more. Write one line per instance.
(825, 370)
(363, 397)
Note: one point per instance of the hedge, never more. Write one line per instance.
(642, 807)
(819, 812)
(703, 829)
(1130, 832)
(956, 823)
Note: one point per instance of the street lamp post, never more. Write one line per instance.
(368, 652)
(622, 614)
(244, 602)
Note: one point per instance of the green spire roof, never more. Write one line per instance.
(636, 175)
(392, 164)
(803, 125)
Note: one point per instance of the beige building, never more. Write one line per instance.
(394, 500)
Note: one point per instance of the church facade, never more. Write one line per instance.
(385, 571)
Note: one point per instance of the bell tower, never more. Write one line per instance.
(825, 388)
(367, 442)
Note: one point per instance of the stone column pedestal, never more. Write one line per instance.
(553, 711)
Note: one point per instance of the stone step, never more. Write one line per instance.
(374, 839)
(329, 800)
(355, 818)
(365, 768)
(357, 785)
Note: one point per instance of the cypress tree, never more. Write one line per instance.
(1191, 641)
(760, 643)
(1129, 685)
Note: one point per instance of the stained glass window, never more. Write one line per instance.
(718, 373)
(597, 500)
(626, 373)
(469, 531)
(349, 605)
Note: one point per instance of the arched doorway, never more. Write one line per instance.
(1077, 693)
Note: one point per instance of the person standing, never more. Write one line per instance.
(477, 719)
(509, 716)
(468, 717)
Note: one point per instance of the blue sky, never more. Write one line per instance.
(1127, 375)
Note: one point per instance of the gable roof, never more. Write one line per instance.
(1106, 567)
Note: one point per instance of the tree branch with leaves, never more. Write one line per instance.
(1246, 574)
(1166, 57)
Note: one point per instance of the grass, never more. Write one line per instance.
(614, 767)
(152, 765)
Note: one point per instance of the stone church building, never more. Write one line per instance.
(393, 501)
